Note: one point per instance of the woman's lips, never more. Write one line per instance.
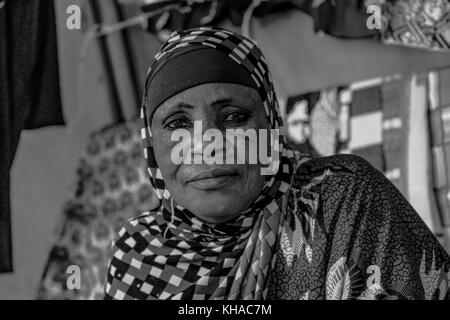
(211, 179)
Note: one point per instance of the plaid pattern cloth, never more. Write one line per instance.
(373, 126)
(168, 253)
(367, 121)
(380, 120)
(365, 116)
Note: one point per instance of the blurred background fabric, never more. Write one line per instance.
(112, 187)
(388, 122)
(29, 91)
(344, 88)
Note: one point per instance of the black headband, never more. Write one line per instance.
(188, 69)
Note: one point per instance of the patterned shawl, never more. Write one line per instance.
(169, 253)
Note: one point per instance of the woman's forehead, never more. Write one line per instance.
(211, 94)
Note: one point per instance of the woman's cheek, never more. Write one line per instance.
(163, 146)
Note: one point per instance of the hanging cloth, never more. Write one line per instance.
(29, 90)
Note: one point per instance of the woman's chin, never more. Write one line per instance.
(217, 208)
(216, 219)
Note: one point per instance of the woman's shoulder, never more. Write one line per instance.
(340, 164)
(341, 169)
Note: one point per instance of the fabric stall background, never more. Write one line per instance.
(386, 121)
(439, 106)
(112, 187)
(42, 177)
(412, 23)
(301, 61)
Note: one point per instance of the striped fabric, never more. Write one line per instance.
(439, 121)
(365, 118)
(384, 121)
(169, 253)
(395, 106)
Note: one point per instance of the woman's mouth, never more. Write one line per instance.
(212, 179)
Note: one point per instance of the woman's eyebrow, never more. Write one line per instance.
(183, 105)
(221, 102)
(176, 109)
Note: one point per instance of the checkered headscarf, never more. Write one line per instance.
(169, 253)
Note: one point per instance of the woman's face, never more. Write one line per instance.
(215, 193)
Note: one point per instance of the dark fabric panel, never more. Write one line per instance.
(29, 90)
(5, 223)
(444, 90)
(366, 100)
(190, 68)
(342, 18)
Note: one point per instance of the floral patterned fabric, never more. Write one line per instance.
(355, 237)
(112, 187)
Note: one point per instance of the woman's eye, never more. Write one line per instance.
(178, 124)
(237, 117)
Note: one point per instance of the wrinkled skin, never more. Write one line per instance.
(232, 187)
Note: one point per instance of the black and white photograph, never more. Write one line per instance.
(242, 150)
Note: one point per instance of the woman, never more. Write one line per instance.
(323, 228)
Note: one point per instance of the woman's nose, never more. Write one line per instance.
(199, 143)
